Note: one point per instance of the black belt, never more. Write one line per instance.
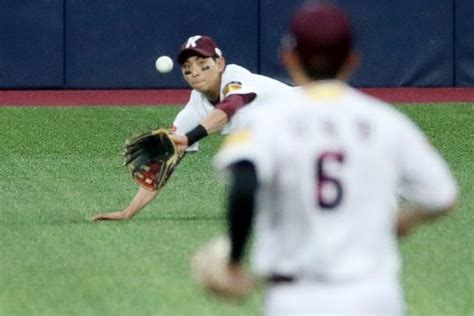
(279, 278)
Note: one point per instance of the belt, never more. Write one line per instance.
(279, 278)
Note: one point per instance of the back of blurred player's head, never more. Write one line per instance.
(321, 35)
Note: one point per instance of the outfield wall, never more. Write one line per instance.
(106, 44)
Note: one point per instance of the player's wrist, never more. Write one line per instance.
(196, 134)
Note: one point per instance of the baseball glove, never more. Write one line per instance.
(151, 158)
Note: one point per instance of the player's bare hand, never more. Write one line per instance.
(117, 216)
(181, 142)
(236, 285)
(212, 269)
(405, 224)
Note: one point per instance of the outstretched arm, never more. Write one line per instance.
(141, 199)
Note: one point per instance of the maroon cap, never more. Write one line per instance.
(322, 35)
(198, 45)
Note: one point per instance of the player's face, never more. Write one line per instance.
(203, 74)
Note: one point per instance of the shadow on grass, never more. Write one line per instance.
(182, 218)
(136, 220)
(162, 218)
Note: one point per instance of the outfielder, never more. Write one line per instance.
(318, 180)
(219, 92)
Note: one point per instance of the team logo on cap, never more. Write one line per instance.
(231, 87)
(192, 41)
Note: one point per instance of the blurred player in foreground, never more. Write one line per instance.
(219, 92)
(317, 178)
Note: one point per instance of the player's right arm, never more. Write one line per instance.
(237, 158)
(234, 281)
(247, 156)
(241, 206)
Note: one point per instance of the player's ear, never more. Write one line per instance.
(220, 64)
(292, 63)
(289, 58)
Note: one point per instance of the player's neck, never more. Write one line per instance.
(213, 95)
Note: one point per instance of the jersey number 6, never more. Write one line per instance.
(328, 201)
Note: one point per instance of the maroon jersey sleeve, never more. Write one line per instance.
(234, 102)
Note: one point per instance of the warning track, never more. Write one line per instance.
(152, 97)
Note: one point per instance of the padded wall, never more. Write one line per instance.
(403, 43)
(31, 43)
(464, 43)
(113, 44)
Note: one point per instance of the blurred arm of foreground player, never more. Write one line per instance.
(412, 217)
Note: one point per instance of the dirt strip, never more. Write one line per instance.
(149, 97)
(93, 97)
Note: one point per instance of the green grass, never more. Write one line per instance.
(60, 166)
(439, 259)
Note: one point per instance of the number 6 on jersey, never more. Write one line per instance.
(329, 188)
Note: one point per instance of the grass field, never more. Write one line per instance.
(60, 166)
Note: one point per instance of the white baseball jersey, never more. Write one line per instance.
(235, 80)
(329, 160)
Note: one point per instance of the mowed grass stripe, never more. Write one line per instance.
(60, 166)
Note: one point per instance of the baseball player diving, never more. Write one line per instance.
(219, 93)
(316, 182)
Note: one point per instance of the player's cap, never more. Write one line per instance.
(198, 45)
(322, 35)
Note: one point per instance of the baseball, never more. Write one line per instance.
(164, 64)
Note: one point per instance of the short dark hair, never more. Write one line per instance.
(322, 36)
(320, 68)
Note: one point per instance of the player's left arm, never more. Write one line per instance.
(411, 217)
(215, 120)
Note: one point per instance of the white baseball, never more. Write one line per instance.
(164, 64)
